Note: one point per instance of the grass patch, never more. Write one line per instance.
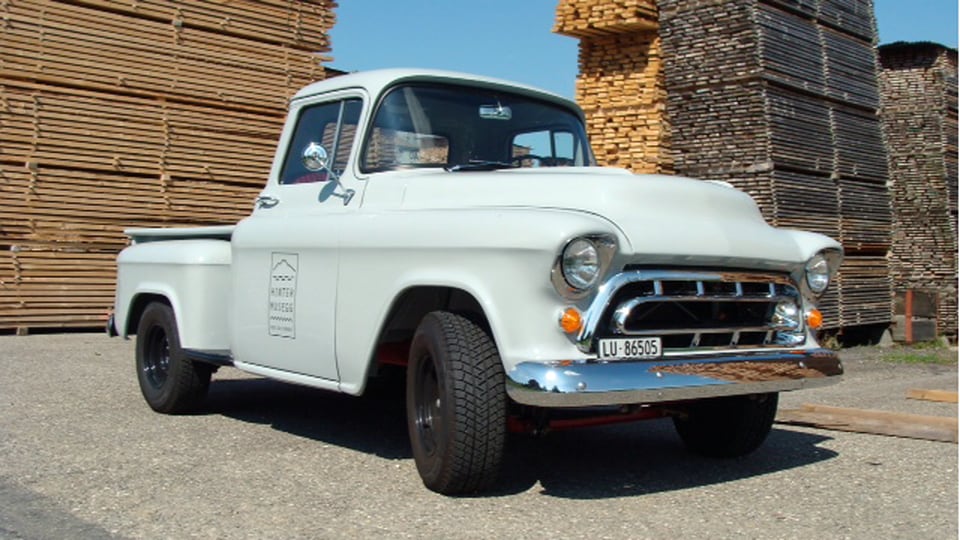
(931, 352)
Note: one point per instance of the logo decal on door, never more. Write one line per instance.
(283, 294)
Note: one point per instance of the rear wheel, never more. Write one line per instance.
(456, 404)
(727, 427)
(169, 382)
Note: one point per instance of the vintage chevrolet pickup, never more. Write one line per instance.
(458, 227)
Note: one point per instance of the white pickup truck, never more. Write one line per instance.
(458, 227)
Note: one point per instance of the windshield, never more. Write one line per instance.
(469, 128)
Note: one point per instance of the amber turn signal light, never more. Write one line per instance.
(571, 321)
(814, 319)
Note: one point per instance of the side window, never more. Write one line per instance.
(334, 125)
(554, 148)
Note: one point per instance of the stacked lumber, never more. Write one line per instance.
(780, 98)
(620, 89)
(864, 286)
(134, 134)
(620, 84)
(51, 286)
(117, 114)
(74, 45)
(590, 18)
(919, 88)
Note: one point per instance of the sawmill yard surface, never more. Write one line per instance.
(84, 457)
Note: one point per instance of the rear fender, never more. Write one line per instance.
(192, 276)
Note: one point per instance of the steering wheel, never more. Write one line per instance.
(520, 159)
(556, 162)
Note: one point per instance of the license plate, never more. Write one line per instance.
(629, 348)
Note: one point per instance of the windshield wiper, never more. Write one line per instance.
(480, 165)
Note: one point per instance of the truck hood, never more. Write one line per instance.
(661, 217)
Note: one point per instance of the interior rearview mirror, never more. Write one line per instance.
(495, 112)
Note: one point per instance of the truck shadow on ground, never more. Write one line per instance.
(373, 424)
(644, 458)
(591, 463)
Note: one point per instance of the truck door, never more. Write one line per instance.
(285, 255)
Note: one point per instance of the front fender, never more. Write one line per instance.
(500, 256)
(810, 243)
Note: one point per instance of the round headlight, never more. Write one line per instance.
(580, 264)
(818, 273)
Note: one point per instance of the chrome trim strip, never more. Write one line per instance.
(670, 379)
(712, 298)
(698, 331)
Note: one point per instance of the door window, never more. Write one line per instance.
(333, 125)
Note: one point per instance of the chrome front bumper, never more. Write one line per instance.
(671, 378)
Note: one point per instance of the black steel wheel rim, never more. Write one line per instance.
(428, 406)
(156, 358)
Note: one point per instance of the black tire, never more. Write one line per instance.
(170, 383)
(727, 427)
(456, 405)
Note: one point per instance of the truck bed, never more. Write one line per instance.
(219, 232)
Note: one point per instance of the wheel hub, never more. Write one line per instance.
(156, 365)
(428, 406)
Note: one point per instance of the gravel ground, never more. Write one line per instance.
(84, 457)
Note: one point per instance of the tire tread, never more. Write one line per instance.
(476, 440)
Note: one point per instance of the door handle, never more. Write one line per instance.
(266, 201)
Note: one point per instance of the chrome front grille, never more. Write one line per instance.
(693, 311)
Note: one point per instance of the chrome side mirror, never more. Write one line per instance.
(314, 157)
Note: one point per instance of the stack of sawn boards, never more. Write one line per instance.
(620, 84)
(919, 86)
(118, 114)
(779, 98)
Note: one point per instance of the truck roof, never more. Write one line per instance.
(375, 81)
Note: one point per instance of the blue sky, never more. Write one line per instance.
(511, 39)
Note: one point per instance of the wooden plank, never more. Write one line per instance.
(913, 426)
(943, 396)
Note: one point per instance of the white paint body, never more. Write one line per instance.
(495, 235)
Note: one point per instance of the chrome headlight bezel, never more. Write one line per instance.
(819, 271)
(594, 251)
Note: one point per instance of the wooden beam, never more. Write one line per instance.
(944, 396)
(913, 426)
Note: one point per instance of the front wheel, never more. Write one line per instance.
(169, 382)
(727, 427)
(456, 404)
